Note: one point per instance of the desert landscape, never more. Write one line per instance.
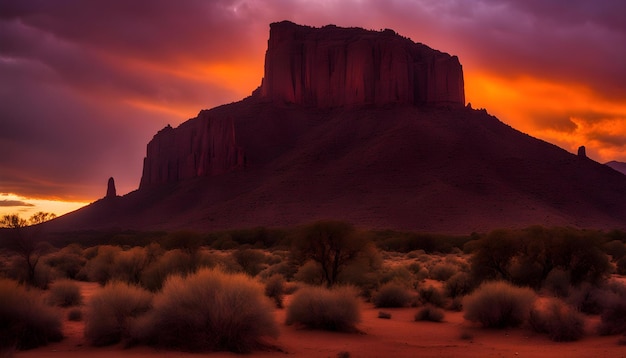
(354, 204)
(533, 292)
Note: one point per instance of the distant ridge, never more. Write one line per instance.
(619, 166)
(362, 126)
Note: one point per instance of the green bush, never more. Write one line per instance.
(65, 293)
(25, 321)
(499, 305)
(112, 310)
(561, 322)
(429, 313)
(391, 294)
(328, 309)
(209, 311)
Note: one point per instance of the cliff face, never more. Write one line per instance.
(205, 146)
(320, 67)
(331, 67)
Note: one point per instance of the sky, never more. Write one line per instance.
(86, 84)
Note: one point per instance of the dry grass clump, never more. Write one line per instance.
(112, 310)
(65, 293)
(499, 304)
(328, 309)
(25, 321)
(560, 321)
(429, 313)
(209, 311)
(391, 294)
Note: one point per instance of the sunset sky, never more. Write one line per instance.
(86, 84)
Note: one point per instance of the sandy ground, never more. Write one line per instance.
(397, 337)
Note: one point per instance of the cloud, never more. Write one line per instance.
(85, 84)
(11, 203)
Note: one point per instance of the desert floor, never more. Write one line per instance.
(399, 336)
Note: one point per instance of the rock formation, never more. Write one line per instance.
(321, 67)
(111, 192)
(203, 147)
(582, 152)
(332, 67)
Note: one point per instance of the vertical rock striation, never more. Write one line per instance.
(332, 67)
(203, 147)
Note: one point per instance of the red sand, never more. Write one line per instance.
(399, 336)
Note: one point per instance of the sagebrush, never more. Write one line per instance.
(499, 304)
(209, 311)
(328, 309)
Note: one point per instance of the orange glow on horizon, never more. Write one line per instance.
(26, 207)
(568, 115)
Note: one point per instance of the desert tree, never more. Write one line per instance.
(23, 242)
(331, 244)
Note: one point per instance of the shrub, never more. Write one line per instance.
(65, 293)
(431, 295)
(25, 321)
(590, 299)
(208, 311)
(250, 260)
(558, 282)
(561, 322)
(429, 313)
(75, 314)
(67, 262)
(328, 309)
(129, 265)
(391, 295)
(310, 273)
(100, 268)
(499, 305)
(172, 262)
(275, 289)
(111, 311)
(613, 318)
(460, 284)
(442, 271)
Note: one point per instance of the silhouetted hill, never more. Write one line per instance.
(404, 154)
